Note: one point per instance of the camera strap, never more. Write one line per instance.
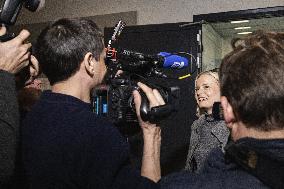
(266, 168)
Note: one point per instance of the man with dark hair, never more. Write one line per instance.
(252, 89)
(64, 144)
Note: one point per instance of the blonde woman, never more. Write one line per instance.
(206, 132)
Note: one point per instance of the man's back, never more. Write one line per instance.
(223, 172)
(66, 146)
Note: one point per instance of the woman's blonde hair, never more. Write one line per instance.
(214, 73)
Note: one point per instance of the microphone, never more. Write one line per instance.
(162, 59)
(173, 60)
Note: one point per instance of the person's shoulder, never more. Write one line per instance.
(221, 131)
(221, 124)
(198, 122)
(217, 173)
(217, 167)
(187, 179)
(228, 178)
(178, 180)
(102, 127)
(92, 119)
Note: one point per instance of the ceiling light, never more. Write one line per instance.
(244, 33)
(239, 21)
(242, 28)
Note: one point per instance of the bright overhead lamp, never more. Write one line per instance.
(239, 21)
(244, 33)
(242, 28)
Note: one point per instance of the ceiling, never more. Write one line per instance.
(226, 29)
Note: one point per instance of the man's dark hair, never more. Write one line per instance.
(61, 47)
(252, 79)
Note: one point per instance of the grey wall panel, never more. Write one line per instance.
(107, 20)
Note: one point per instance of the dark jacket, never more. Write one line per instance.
(66, 146)
(227, 172)
(9, 126)
(219, 132)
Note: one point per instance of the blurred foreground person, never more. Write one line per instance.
(14, 60)
(252, 97)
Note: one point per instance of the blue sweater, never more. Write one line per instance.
(66, 146)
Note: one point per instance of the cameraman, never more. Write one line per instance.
(64, 144)
(252, 89)
(14, 55)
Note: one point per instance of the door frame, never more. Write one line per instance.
(268, 12)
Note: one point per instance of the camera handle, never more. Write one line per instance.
(153, 114)
(7, 37)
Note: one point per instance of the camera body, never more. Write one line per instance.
(135, 67)
(122, 102)
(10, 10)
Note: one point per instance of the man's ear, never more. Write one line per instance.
(229, 115)
(34, 67)
(89, 63)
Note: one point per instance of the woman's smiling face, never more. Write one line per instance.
(207, 91)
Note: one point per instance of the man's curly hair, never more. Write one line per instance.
(252, 79)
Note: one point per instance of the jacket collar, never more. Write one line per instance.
(220, 131)
(262, 158)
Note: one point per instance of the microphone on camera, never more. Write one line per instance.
(162, 59)
(173, 60)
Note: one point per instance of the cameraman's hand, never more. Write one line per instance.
(154, 98)
(14, 54)
(151, 134)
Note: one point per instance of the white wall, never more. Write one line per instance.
(212, 48)
(149, 11)
(226, 46)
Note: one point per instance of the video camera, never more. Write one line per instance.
(139, 67)
(10, 10)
